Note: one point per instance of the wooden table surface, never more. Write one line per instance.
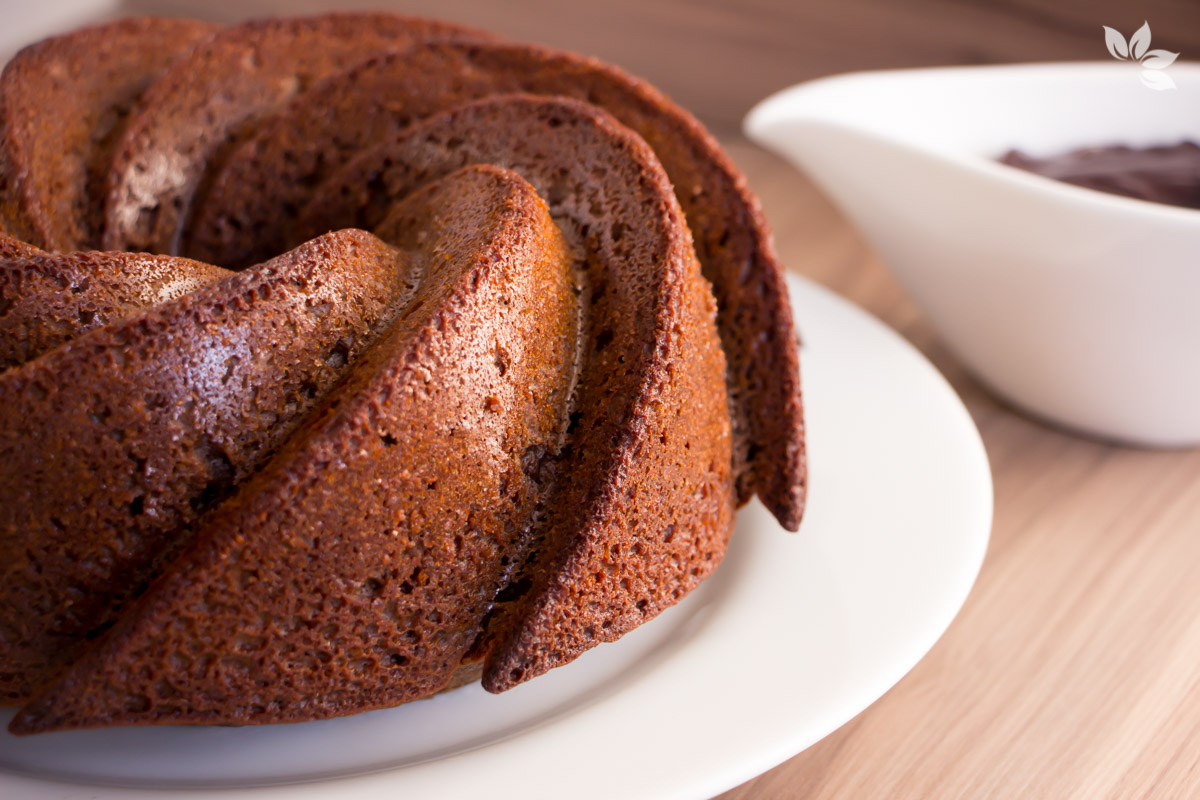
(1073, 670)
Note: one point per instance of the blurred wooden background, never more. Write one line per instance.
(718, 57)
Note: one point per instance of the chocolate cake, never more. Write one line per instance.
(53, 166)
(50, 298)
(267, 179)
(457, 403)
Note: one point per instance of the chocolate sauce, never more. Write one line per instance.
(1167, 174)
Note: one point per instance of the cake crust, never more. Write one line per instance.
(454, 359)
(645, 485)
(53, 166)
(274, 173)
(216, 94)
(51, 298)
(355, 570)
(114, 444)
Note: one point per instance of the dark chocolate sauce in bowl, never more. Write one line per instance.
(1168, 174)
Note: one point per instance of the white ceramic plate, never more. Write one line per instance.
(794, 635)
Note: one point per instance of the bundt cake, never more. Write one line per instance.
(398, 367)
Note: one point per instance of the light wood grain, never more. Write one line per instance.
(1074, 668)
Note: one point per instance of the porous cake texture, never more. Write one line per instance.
(345, 359)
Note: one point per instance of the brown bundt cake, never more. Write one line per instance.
(344, 470)
(53, 166)
(50, 298)
(267, 179)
